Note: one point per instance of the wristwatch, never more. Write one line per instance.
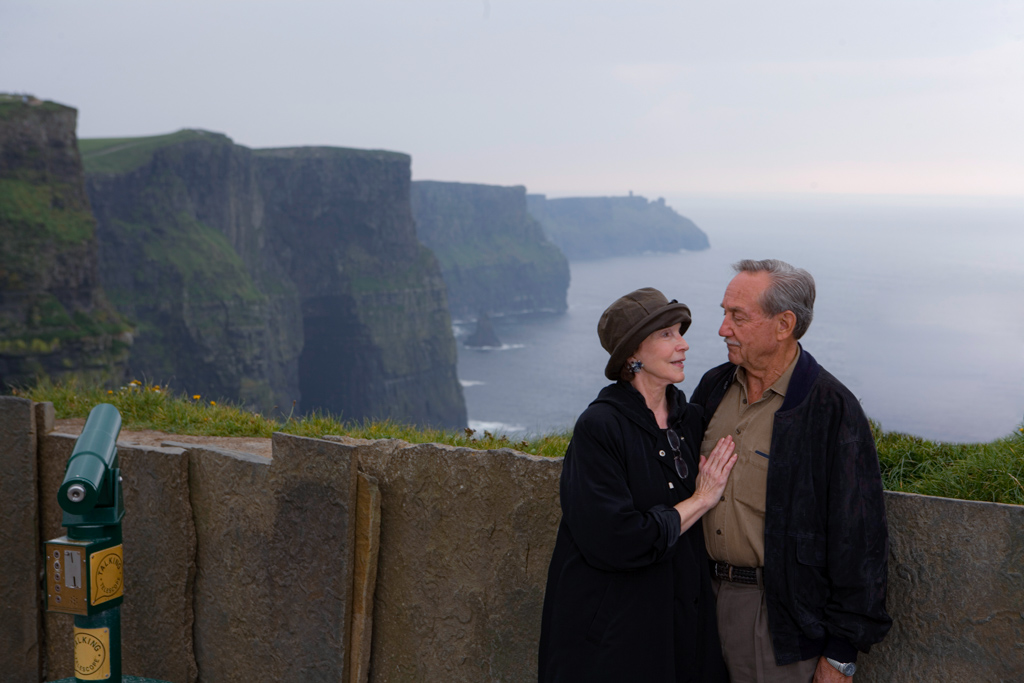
(845, 668)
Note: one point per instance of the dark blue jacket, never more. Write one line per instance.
(628, 598)
(826, 542)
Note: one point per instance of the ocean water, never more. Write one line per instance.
(920, 312)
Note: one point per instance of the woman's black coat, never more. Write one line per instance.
(628, 598)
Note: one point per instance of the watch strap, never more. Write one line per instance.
(845, 668)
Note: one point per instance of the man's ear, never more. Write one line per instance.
(785, 322)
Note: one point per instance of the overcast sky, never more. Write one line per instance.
(567, 98)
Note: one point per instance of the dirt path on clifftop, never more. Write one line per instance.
(246, 444)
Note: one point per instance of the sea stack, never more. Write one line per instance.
(484, 335)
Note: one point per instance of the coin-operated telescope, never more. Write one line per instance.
(85, 569)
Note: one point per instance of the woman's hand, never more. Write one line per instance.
(714, 472)
(711, 477)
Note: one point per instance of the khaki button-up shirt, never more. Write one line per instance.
(734, 529)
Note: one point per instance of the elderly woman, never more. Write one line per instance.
(629, 593)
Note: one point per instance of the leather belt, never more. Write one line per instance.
(724, 571)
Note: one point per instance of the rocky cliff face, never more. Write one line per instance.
(598, 227)
(494, 255)
(54, 317)
(378, 339)
(276, 277)
(180, 250)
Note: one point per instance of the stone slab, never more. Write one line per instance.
(364, 579)
(20, 623)
(273, 586)
(956, 593)
(151, 438)
(46, 418)
(159, 561)
(58, 651)
(465, 541)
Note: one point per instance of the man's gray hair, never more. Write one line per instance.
(791, 289)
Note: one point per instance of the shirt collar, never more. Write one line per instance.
(781, 385)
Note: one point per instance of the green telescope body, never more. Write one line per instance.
(85, 569)
(89, 477)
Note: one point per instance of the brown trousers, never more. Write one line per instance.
(746, 642)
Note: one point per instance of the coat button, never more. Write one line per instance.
(661, 453)
(719, 532)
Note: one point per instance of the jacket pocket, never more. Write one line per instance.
(606, 612)
(812, 551)
(808, 584)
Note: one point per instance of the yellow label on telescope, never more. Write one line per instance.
(92, 654)
(106, 567)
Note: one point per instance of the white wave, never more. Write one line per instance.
(471, 383)
(495, 427)
(503, 347)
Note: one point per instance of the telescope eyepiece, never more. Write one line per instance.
(76, 493)
(88, 483)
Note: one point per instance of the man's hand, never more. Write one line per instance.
(826, 673)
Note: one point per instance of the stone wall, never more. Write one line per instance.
(465, 540)
(956, 592)
(20, 619)
(349, 560)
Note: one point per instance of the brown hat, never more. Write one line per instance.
(627, 322)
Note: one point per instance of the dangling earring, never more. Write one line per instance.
(635, 366)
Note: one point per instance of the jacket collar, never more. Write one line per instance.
(804, 375)
(631, 403)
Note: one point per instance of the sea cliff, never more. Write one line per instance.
(54, 317)
(287, 278)
(494, 255)
(587, 228)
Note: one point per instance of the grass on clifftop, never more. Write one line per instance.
(14, 104)
(149, 406)
(120, 155)
(990, 472)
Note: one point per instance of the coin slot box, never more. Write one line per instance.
(70, 586)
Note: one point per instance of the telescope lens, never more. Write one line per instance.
(76, 493)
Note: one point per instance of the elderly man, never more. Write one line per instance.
(798, 543)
